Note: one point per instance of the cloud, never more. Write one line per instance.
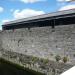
(1, 9)
(31, 1)
(18, 14)
(63, 0)
(67, 7)
(6, 20)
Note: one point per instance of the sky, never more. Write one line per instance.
(18, 9)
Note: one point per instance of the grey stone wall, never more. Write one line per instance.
(0, 43)
(0, 40)
(43, 42)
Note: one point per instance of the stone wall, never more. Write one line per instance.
(42, 42)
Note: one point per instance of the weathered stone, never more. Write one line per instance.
(40, 42)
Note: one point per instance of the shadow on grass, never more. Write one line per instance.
(9, 68)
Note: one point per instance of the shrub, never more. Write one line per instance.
(34, 59)
(65, 59)
(45, 61)
(57, 57)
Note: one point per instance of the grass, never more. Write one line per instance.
(15, 69)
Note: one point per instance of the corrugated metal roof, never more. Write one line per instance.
(58, 13)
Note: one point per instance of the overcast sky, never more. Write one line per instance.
(17, 9)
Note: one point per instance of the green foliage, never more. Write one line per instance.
(57, 57)
(45, 61)
(35, 59)
(65, 59)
